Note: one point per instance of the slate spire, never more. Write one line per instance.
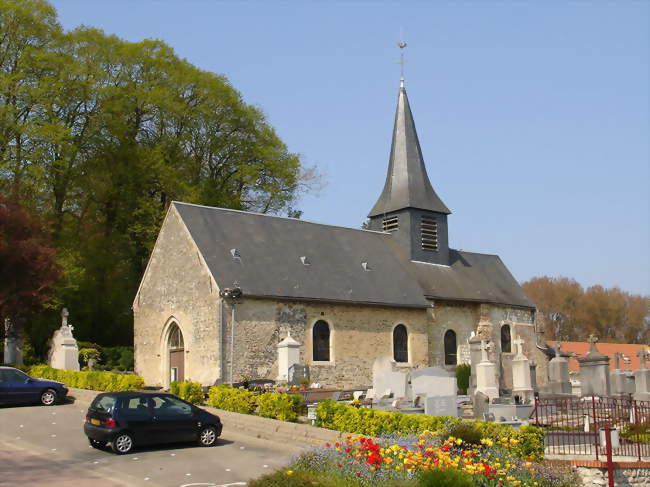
(407, 183)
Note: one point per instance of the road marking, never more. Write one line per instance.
(241, 447)
(21, 425)
(18, 437)
(265, 466)
(135, 458)
(53, 436)
(53, 449)
(188, 474)
(53, 423)
(95, 463)
(227, 470)
(146, 478)
(172, 454)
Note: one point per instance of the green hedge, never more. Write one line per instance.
(93, 380)
(285, 407)
(230, 399)
(189, 391)
(528, 440)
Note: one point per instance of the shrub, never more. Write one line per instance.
(93, 380)
(230, 399)
(439, 477)
(189, 391)
(285, 407)
(85, 354)
(290, 478)
(462, 377)
(372, 422)
(467, 431)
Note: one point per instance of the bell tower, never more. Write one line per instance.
(408, 207)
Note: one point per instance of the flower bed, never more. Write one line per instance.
(425, 460)
(375, 423)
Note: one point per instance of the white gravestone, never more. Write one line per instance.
(642, 379)
(385, 379)
(288, 355)
(433, 381)
(521, 382)
(12, 351)
(64, 353)
(486, 374)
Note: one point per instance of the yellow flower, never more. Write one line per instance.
(289, 472)
(487, 442)
(459, 441)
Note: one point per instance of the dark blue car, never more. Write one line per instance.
(17, 387)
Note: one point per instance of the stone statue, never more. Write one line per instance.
(64, 352)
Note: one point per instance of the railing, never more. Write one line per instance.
(577, 426)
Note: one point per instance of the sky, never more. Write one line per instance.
(533, 117)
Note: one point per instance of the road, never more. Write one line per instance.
(45, 446)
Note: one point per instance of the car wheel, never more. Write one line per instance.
(96, 443)
(208, 436)
(48, 397)
(122, 443)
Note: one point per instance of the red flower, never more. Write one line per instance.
(358, 474)
(327, 445)
(337, 444)
(348, 450)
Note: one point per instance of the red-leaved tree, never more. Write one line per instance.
(28, 269)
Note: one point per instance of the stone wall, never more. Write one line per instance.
(623, 477)
(176, 287)
(358, 335)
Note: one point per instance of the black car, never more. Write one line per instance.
(129, 419)
(17, 387)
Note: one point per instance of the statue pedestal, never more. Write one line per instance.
(486, 379)
(64, 353)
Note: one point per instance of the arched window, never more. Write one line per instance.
(505, 339)
(175, 338)
(321, 340)
(400, 344)
(450, 347)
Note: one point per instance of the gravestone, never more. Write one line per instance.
(486, 374)
(642, 378)
(297, 374)
(594, 371)
(481, 405)
(521, 382)
(432, 381)
(558, 374)
(386, 381)
(288, 355)
(63, 353)
(475, 358)
(12, 350)
(617, 377)
(441, 406)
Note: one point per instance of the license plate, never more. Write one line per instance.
(95, 421)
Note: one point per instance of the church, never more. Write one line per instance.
(224, 287)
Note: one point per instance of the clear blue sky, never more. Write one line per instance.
(533, 117)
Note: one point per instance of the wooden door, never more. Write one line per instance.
(177, 364)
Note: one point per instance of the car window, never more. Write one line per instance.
(9, 375)
(104, 404)
(170, 406)
(135, 406)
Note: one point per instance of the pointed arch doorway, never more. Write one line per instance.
(176, 348)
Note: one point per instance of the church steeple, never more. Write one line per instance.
(407, 183)
(408, 206)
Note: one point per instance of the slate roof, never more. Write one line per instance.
(407, 184)
(270, 250)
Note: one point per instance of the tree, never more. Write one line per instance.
(572, 313)
(103, 134)
(28, 272)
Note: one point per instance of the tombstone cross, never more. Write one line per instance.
(518, 345)
(643, 356)
(485, 347)
(617, 360)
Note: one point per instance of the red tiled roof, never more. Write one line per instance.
(609, 349)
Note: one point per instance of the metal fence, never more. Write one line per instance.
(578, 426)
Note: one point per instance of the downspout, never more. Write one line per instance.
(232, 343)
(221, 344)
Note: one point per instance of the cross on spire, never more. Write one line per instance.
(402, 45)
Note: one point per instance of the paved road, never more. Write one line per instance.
(45, 446)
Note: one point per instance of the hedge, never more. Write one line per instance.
(285, 407)
(93, 380)
(529, 440)
(187, 390)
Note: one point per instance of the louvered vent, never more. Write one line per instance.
(390, 224)
(429, 233)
